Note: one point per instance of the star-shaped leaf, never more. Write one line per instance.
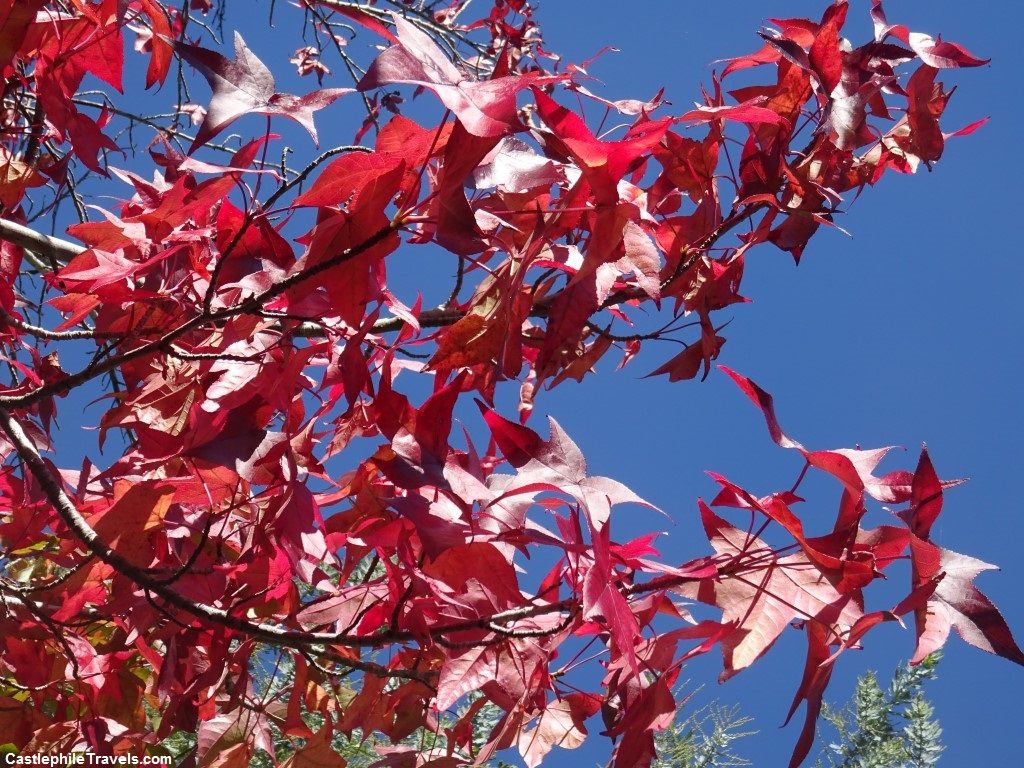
(244, 85)
(765, 593)
(957, 604)
(485, 108)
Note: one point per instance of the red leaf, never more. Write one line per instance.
(135, 515)
(360, 16)
(346, 175)
(926, 102)
(517, 443)
(925, 497)
(768, 54)
(456, 224)
(942, 54)
(826, 56)
(16, 16)
(603, 601)
(749, 112)
(317, 752)
(514, 167)
(817, 672)
(852, 467)
(558, 464)
(604, 163)
(764, 401)
(343, 610)
(687, 364)
(967, 130)
(162, 50)
(642, 259)
(568, 316)
(463, 672)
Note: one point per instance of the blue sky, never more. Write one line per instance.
(908, 331)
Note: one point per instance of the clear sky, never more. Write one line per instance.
(908, 331)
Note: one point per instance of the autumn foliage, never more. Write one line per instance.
(274, 479)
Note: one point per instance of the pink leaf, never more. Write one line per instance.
(748, 112)
(957, 603)
(560, 725)
(485, 108)
(245, 85)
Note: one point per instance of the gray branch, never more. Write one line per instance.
(56, 250)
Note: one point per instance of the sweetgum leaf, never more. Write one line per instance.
(485, 108)
(767, 596)
(957, 604)
(243, 85)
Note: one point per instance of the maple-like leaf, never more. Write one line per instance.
(351, 173)
(826, 54)
(852, 467)
(468, 670)
(514, 167)
(603, 163)
(603, 600)
(687, 364)
(136, 513)
(560, 725)
(230, 732)
(557, 464)
(317, 752)
(954, 602)
(934, 52)
(748, 112)
(486, 108)
(244, 85)
(642, 259)
(761, 593)
(957, 604)
(157, 41)
(15, 20)
(925, 497)
(926, 102)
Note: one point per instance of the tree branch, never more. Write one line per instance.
(272, 634)
(60, 251)
(252, 304)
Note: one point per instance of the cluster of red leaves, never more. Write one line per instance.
(242, 366)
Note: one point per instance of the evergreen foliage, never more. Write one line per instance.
(893, 728)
